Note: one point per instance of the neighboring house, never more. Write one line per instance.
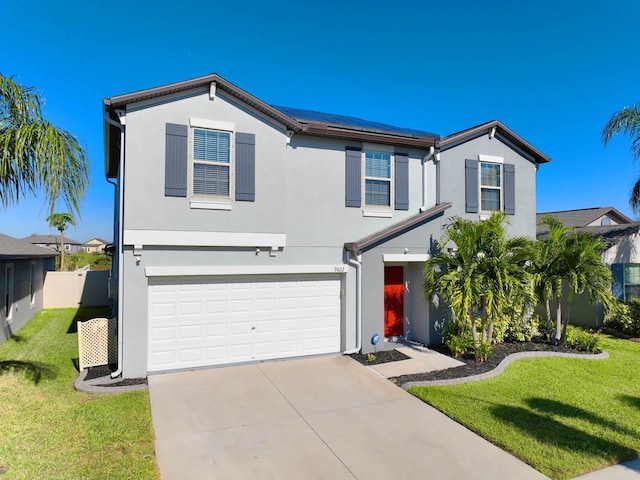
(271, 232)
(52, 242)
(621, 236)
(22, 272)
(95, 245)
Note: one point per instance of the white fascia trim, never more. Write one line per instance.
(212, 124)
(490, 158)
(242, 270)
(377, 213)
(208, 205)
(408, 257)
(204, 239)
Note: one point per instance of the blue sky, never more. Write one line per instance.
(552, 71)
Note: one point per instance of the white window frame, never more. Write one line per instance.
(32, 282)
(378, 210)
(626, 284)
(212, 202)
(489, 159)
(9, 277)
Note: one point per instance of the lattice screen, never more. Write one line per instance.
(97, 342)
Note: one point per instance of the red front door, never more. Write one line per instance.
(393, 301)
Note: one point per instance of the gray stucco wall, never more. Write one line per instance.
(23, 308)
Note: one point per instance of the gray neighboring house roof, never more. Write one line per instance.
(584, 216)
(50, 240)
(503, 133)
(610, 234)
(13, 248)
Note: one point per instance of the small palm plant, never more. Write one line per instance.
(61, 221)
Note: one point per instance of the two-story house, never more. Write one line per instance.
(247, 232)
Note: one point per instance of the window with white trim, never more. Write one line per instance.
(32, 282)
(378, 179)
(490, 186)
(212, 163)
(8, 292)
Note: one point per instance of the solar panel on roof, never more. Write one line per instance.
(347, 121)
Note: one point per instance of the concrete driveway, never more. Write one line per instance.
(324, 417)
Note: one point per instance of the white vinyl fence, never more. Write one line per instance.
(82, 288)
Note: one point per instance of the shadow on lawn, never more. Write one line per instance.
(630, 400)
(553, 407)
(34, 371)
(86, 313)
(552, 432)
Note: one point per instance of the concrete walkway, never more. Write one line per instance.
(421, 360)
(324, 417)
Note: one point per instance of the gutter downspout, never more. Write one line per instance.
(356, 263)
(110, 121)
(426, 158)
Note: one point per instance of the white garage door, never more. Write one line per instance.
(195, 322)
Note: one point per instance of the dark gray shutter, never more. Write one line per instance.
(617, 289)
(245, 167)
(509, 188)
(353, 177)
(402, 181)
(471, 185)
(175, 161)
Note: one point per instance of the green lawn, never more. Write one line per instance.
(562, 416)
(48, 430)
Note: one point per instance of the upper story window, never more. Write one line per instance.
(211, 162)
(377, 180)
(490, 186)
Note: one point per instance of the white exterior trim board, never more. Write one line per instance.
(405, 257)
(207, 271)
(204, 239)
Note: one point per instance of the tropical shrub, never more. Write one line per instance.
(625, 318)
(582, 340)
(482, 351)
(456, 335)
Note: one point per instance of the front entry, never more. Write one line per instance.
(393, 301)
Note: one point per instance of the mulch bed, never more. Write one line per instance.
(384, 356)
(472, 367)
(104, 371)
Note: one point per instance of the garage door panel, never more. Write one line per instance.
(220, 320)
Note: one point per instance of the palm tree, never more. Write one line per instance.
(571, 258)
(627, 121)
(482, 274)
(549, 270)
(61, 221)
(34, 154)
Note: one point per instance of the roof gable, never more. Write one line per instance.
(584, 216)
(500, 131)
(381, 236)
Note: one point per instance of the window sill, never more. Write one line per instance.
(209, 205)
(377, 213)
